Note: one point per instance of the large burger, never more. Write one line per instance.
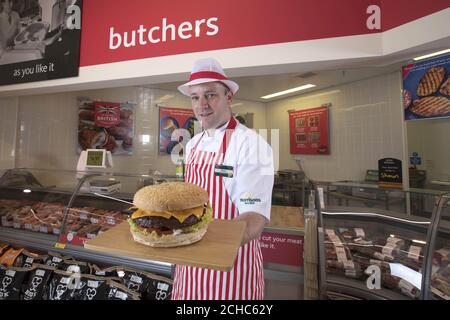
(170, 214)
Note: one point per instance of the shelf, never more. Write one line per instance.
(45, 242)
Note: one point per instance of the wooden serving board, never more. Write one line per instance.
(216, 250)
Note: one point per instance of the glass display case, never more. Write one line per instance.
(438, 270)
(60, 210)
(413, 201)
(371, 253)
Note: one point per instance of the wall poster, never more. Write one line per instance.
(171, 119)
(105, 125)
(39, 40)
(426, 89)
(309, 131)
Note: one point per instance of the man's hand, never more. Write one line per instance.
(255, 224)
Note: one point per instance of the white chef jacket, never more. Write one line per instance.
(251, 159)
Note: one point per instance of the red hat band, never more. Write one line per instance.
(207, 74)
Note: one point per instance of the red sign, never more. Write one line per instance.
(171, 119)
(309, 132)
(282, 248)
(162, 28)
(105, 125)
(107, 114)
(72, 239)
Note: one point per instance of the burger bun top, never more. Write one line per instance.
(170, 196)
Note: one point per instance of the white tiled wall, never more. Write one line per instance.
(430, 139)
(8, 127)
(366, 125)
(48, 128)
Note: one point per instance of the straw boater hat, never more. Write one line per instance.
(207, 70)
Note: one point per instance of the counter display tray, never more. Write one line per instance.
(217, 250)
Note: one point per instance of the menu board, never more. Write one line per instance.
(176, 128)
(390, 173)
(105, 125)
(426, 89)
(309, 131)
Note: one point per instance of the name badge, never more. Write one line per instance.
(223, 171)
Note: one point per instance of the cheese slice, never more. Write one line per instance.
(180, 215)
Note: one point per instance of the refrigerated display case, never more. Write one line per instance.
(371, 253)
(60, 210)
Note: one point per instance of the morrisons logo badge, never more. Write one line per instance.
(247, 198)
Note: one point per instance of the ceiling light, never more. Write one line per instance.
(26, 190)
(306, 86)
(432, 55)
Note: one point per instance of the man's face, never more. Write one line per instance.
(211, 103)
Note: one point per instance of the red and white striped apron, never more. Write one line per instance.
(245, 281)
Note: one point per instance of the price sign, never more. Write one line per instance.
(95, 158)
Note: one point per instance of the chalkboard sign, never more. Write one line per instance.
(390, 173)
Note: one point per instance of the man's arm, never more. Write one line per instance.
(255, 224)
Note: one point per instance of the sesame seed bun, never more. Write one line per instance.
(169, 196)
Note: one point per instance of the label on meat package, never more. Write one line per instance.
(43, 229)
(159, 290)
(136, 279)
(360, 232)
(83, 216)
(414, 252)
(388, 248)
(382, 256)
(110, 220)
(92, 284)
(340, 252)
(10, 273)
(16, 225)
(28, 226)
(393, 240)
(349, 264)
(330, 232)
(439, 293)
(94, 220)
(6, 223)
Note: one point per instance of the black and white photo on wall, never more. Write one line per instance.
(39, 40)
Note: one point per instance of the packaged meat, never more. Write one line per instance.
(26, 259)
(159, 288)
(95, 288)
(74, 266)
(11, 281)
(37, 286)
(10, 256)
(117, 291)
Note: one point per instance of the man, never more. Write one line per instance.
(235, 166)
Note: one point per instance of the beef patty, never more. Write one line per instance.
(164, 223)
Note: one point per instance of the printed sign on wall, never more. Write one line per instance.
(39, 40)
(282, 248)
(309, 132)
(105, 125)
(426, 89)
(171, 119)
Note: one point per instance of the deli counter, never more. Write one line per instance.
(372, 253)
(58, 211)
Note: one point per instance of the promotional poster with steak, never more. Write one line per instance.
(105, 125)
(426, 89)
(171, 119)
(40, 40)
